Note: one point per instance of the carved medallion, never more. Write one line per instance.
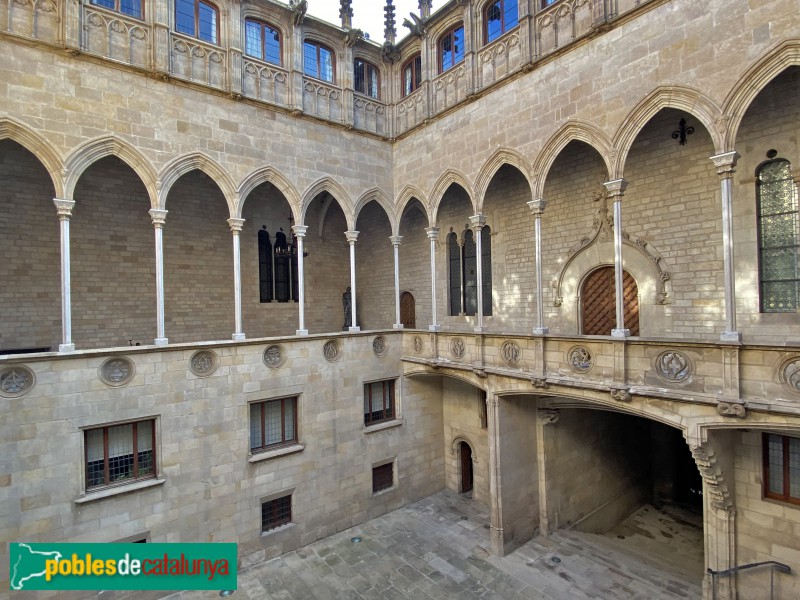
(580, 359)
(789, 374)
(379, 346)
(274, 356)
(203, 363)
(117, 372)
(511, 353)
(673, 366)
(331, 350)
(15, 381)
(457, 348)
(418, 344)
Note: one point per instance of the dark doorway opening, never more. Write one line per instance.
(466, 467)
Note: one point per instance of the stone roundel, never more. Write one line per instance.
(789, 374)
(418, 345)
(580, 359)
(203, 363)
(511, 353)
(16, 381)
(379, 346)
(331, 350)
(274, 356)
(458, 347)
(673, 366)
(117, 371)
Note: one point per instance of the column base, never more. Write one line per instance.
(398, 326)
(541, 330)
(620, 333)
(301, 332)
(479, 329)
(434, 327)
(731, 336)
(355, 329)
(66, 347)
(238, 337)
(161, 341)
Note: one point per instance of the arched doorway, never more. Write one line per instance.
(408, 311)
(598, 308)
(465, 452)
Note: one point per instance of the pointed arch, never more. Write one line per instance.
(573, 130)
(326, 184)
(178, 167)
(90, 152)
(44, 152)
(409, 194)
(752, 82)
(682, 98)
(502, 156)
(276, 178)
(379, 196)
(448, 178)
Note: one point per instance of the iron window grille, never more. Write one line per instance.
(118, 454)
(382, 477)
(276, 513)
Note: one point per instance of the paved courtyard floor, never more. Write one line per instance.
(438, 548)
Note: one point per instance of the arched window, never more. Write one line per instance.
(454, 264)
(486, 266)
(318, 61)
(451, 48)
(463, 273)
(197, 18)
(412, 74)
(277, 268)
(778, 237)
(132, 8)
(598, 302)
(499, 17)
(264, 266)
(262, 41)
(366, 78)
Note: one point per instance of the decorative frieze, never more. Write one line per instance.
(16, 381)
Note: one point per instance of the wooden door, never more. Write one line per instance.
(408, 311)
(466, 467)
(598, 308)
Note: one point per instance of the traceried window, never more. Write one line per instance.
(412, 75)
(132, 8)
(366, 78)
(276, 513)
(451, 48)
(120, 453)
(197, 18)
(262, 41)
(778, 236)
(463, 273)
(379, 402)
(318, 61)
(273, 423)
(382, 477)
(782, 467)
(499, 16)
(277, 268)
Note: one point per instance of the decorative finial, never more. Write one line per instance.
(390, 32)
(425, 8)
(346, 13)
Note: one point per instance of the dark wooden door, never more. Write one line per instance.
(466, 467)
(598, 309)
(408, 311)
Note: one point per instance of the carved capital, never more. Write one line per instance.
(726, 163)
(351, 236)
(616, 188)
(159, 217)
(299, 230)
(433, 233)
(621, 394)
(63, 208)
(236, 225)
(537, 207)
(733, 410)
(548, 416)
(477, 222)
(396, 240)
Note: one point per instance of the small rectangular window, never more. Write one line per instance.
(273, 423)
(782, 467)
(276, 513)
(120, 453)
(379, 402)
(382, 477)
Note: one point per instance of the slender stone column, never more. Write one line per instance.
(396, 240)
(545, 417)
(433, 235)
(476, 224)
(159, 217)
(537, 208)
(726, 164)
(352, 236)
(300, 232)
(236, 227)
(616, 189)
(496, 538)
(64, 210)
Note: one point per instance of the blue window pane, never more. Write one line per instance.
(252, 43)
(131, 7)
(184, 16)
(272, 45)
(458, 45)
(447, 52)
(494, 21)
(326, 65)
(310, 60)
(208, 23)
(511, 14)
(104, 3)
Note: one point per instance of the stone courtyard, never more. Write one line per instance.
(439, 548)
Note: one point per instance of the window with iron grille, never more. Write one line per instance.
(273, 423)
(778, 237)
(366, 78)
(379, 401)
(382, 477)
(499, 16)
(120, 453)
(276, 513)
(782, 467)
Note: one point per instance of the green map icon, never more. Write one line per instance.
(27, 564)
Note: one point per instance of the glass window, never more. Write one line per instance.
(500, 16)
(779, 238)
(366, 78)
(262, 41)
(379, 402)
(412, 75)
(782, 467)
(120, 453)
(197, 18)
(273, 423)
(132, 8)
(451, 48)
(318, 61)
